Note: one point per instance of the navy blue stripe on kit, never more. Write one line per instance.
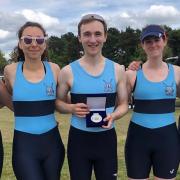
(82, 98)
(159, 106)
(34, 108)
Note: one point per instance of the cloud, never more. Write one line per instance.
(59, 17)
(161, 14)
(3, 34)
(46, 20)
(161, 10)
(4, 2)
(12, 21)
(94, 4)
(52, 24)
(154, 14)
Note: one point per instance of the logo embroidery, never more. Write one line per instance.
(108, 86)
(169, 90)
(49, 90)
(171, 171)
(115, 174)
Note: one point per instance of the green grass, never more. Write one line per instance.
(6, 124)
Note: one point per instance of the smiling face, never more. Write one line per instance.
(32, 51)
(92, 36)
(154, 46)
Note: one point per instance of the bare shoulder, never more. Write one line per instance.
(176, 68)
(131, 77)
(119, 68)
(177, 72)
(10, 69)
(131, 73)
(54, 66)
(55, 69)
(9, 75)
(11, 66)
(66, 70)
(66, 76)
(119, 72)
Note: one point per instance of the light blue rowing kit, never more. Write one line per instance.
(154, 101)
(152, 138)
(92, 147)
(34, 103)
(86, 85)
(36, 142)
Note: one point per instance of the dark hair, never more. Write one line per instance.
(18, 53)
(89, 18)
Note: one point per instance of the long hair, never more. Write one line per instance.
(18, 53)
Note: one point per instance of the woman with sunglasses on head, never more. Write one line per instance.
(38, 151)
(5, 100)
(96, 84)
(153, 140)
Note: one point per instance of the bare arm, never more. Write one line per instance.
(6, 87)
(5, 96)
(62, 102)
(62, 91)
(131, 78)
(177, 78)
(122, 96)
(9, 76)
(56, 70)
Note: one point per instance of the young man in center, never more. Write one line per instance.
(99, 97)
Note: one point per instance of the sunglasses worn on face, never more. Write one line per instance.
(28, 40)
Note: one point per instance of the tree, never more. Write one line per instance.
(65, 49)
(174, 41)
(121, 46)
(13, 57)
(72, 47)
(112, 47)
(3, 62)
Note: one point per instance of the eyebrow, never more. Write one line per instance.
(92, 32)
(33, 36)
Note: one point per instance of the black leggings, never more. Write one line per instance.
(158, 148)
(1, 154)
(38, 157)
(179, 124)
(92, 150)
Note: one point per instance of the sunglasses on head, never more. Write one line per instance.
(28, 40)
(92, 16)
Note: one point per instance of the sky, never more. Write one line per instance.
(62, 16)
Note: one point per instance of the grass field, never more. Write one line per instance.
(6, 124)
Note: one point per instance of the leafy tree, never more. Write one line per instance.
(73, 47)
(13, 57)
(174, 41)
(112, 47)
(3, 62)
(121, 46)
(65, 49)
(129, 40)
(56, 48)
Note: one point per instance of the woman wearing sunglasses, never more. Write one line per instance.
(153, 140)
(38, 151)
(5, 100)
